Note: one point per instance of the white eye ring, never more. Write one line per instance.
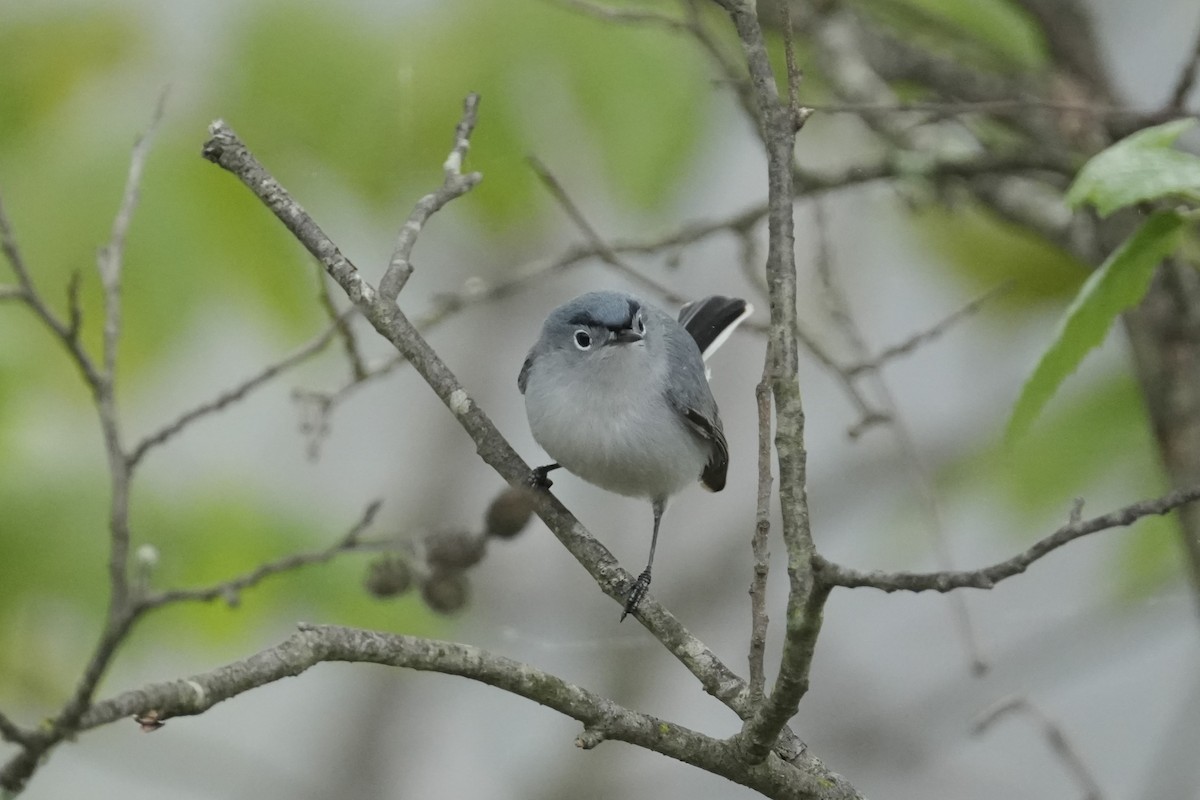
(638, 326)
(582, 339)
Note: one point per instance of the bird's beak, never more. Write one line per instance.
(625, 336)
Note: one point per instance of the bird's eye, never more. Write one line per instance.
(583, 340)
(638, 326)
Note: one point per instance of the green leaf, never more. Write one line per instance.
(1139, 168)
(1118, 284)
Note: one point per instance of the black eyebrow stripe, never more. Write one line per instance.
(584, 318)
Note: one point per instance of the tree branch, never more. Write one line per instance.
(988, 577)
(930, 334)
(27, 292)
(597, 243)
(298, 356)
(11, 731)
(455, 185)
(1055, 737)
(229, 590)
(226, 149)
(602, 718)
(758, 544)
(805, 598)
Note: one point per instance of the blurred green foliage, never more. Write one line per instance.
(983, 252)
(334, 100)
(350, 106)
(992, 33)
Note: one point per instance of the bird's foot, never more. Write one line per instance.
(636, 593)
(539, 477)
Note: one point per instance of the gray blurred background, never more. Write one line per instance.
(1111, 659)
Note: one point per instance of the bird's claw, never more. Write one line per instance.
(636, 593)
(539, 478)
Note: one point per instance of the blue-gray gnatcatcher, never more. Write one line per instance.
(616, 392)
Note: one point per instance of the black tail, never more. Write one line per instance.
(710, 320)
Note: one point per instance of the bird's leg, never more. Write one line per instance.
(638, 590)
(539, 477)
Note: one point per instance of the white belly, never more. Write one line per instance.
(620, 435)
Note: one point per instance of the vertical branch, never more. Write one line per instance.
(109, 264)
(758, 545)
(806, 597)
(123, 609)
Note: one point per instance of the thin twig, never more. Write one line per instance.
(692, 25)
(122, 613)
(11, 731)
(988, 577)
(921, 338)
(358, 369)
(109, 263)
(758, 545)
(1055, 737)
(64, 332)
(229, 590)
(298, 356)
(943, 108)
(794, 75)
(603, 250)
(111, 257)
(455, 184)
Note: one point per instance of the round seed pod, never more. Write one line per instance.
(449, 550)
(388, 576)
(509, 513)
(446, 592)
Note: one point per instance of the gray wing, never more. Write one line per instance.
(689, 394)
(713, 474)
(523, 376)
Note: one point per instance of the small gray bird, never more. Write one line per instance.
(616, 392)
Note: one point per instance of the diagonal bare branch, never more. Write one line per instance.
(602, 249)
(27, 291)
(932, 333)
(298, 356)
(229, 590)
(1055, 737)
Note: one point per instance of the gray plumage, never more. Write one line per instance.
(616, 392)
